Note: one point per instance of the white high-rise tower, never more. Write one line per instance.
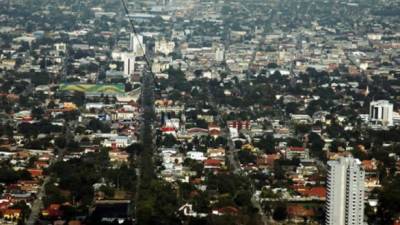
(129, 64)
(220, 54)
(136, 43)
(345, 196)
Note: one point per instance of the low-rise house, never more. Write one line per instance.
(197, 132)
(296, 213)
(118, 141)
(213, 164)
(307, 168)
(216, 153)
(267, 161)
(12, 214)
(371, 174)
(53, 211)
(36, 173)
(30, 186)
(118, 156)
(317, 193)
(296, 152)
(300, 118)
(195, 155)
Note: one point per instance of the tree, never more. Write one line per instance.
(27, 129)
(389, 199)
(60, 142)
(246, 157)
(267, 143)
(40, 78)
(280, 213)
(243, 198)
(108, 191)
(272, 65)
(128, 86)
(37, 113)
(169, 141)
(96, 125)
(78, 98)
(9, 175)
(292, 108)
(51, 105)
(302, 128)
(135, 148)
(293, 142)
(317, 145)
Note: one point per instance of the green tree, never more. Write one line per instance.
(389, 199)
(280, 212)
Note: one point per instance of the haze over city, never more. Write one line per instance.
(199, 112)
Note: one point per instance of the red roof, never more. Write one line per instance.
(167, 129)
(214, 132)
(297, 149)
(4, 204)
(228, 210)
(74, 222)
(35, 172)
(53, 210)
(319, 192)
(197, 130)
(212, 162)
(299, 210)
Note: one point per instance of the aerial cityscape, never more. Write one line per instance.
(200, 112)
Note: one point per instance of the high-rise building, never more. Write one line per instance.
(345, 192)
(381, 113)
(136, 44)
(220, 54)
(129, 64)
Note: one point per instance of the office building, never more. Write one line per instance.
(345, 192)
(129, 64)
(136, 44)
(220, 54)
(381, 113)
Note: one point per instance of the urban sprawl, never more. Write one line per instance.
(211, 112)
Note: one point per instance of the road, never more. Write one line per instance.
(231, 155)
(37, 204)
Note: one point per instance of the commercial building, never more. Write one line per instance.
(381, 113)
(129, 64)
(136, 44)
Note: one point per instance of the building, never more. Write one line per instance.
(163, 46)
(345, 196)
(129, 64)
(136, 44)
(118, 142)
(220, 54)
(296, 152)
(381, 113)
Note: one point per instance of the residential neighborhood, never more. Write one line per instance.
(199, 112)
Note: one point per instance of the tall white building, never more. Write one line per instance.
(129, 63)
(220, 54)
(381, 113)
(136, 44)
(345, 192)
